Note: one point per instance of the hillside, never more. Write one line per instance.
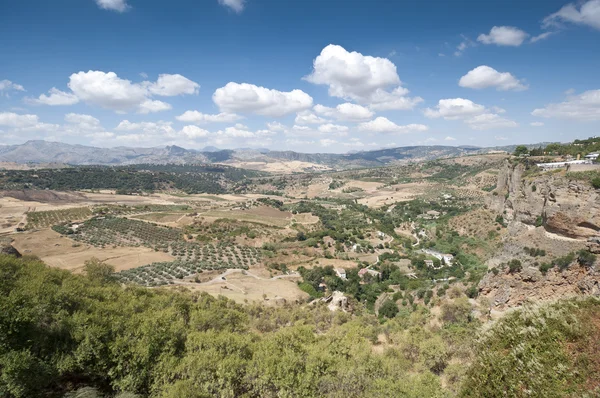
(55, 152)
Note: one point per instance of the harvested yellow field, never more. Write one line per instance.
(62, 252)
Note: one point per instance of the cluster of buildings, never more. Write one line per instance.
(445, 259)
(587, 159)
(341, 273)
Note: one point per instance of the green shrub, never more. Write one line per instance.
(586, 258)
(388, 309)
(514, 266)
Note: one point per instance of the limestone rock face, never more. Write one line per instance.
(550, 212)
(510, 290)
(338, 302)
(567, 208)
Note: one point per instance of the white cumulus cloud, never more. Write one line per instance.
(488, 121)
(484, 76)
(454, 108)
(584, 106)
(152, 106)
(307, 117)
(334, 129)
(504, 36)
(476, 116)
(192, 132)
(536, 124)
(235, 5)
(361, 78)
(172, 85)
(113, 5)
(84, 123)
(55, 98)
(344, 112)
(109, 91)
(327, 142)
(197, 117)
(384, 125)
(7, 85)
(582, 13)
(248, 98)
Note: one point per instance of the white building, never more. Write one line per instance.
(448, 259)
(592, 156)
(558, 165)
(340, 272)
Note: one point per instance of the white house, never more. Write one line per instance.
(592, 156)
(340, 272)
(558, 165)
(448, 259)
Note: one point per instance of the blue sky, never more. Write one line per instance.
(304, 75)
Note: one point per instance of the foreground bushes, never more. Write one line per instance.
(540, 351)
(61, 333)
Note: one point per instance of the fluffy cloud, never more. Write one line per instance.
(152, 106)
(172, 85)
(364, 79)
(11, 119)
(585, 106)
(334, 129)
(488, 121)
(327, 142)
(484, 76)
(235, 5)
(474, 115)
(396, 99)
(109, 91)
(203, 118)
(588, 14)
(276, 126)
(448, 138)
(344, 112)
(114, 5)
(454, 108)
(307, 117)
(244, 97)
(536, 124)
(83, 123)
(7, 85)
(384, 125)
(193, 132)
(25, 123)
(56, 98)
(161, 128)
(504, 36)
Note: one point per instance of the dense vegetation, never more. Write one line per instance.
(543, 351)
(131, 179)
(577, 147)
(61, 332)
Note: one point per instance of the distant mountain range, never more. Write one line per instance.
(56, 152)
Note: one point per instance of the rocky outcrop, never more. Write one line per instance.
(546, 211)
(563, 207)
(338, 302)
(6, 247)
(513, 289)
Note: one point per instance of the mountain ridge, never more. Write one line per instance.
(39, 151)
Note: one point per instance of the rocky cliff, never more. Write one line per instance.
(513, 289)
(561, 206)
(545, 211)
